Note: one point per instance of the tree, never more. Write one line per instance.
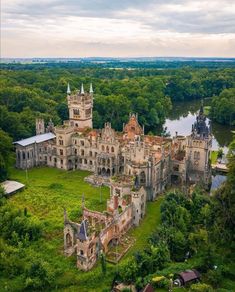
(5, 154)
(200, 287)
(39, 276)
(103, 263)
(220, 153)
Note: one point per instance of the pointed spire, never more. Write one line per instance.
(91, 88)
(83, 232)
(82, 89)
(201, 108)
(68, 89)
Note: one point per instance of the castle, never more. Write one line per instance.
(153, 161)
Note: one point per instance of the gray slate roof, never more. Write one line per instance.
(82, 235)
(36, 139)
(11, 186)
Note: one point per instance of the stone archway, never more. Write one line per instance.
(113, 242)
(70, 164)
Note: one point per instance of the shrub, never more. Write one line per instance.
(200, 287)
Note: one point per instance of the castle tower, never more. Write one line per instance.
(198, 149)
(40, 126)
(80, 106)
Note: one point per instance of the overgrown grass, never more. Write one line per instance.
(47, 192)
(147, 226)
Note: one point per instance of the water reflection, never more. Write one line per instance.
(182, 117)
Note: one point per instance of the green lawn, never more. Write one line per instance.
(214, 154)
(150, 222)
(47, 192)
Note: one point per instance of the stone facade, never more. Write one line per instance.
(157, 161)
(100, 231)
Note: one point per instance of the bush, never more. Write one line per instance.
(39, 276)
(214, 277)
(200, 287)
(161, 282)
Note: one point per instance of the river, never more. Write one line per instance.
(181, 118)
(183, 115)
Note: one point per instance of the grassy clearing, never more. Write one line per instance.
(147, 226)
(47, 192)
(214, 154)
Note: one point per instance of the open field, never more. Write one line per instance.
(47, 192)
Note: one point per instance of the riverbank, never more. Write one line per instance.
(183, 115)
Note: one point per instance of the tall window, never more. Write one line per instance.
(88, 113)
(142, 177)
(76, 112)
(196, 155)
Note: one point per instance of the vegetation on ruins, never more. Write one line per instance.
(47, 192)
(179, 232)
(196, 231)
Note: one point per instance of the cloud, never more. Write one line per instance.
(122, 28)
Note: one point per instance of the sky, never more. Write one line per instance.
(117, 28)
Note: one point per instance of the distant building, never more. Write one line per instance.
(186, 277)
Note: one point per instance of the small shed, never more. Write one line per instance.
(188, 276)
(10, 186)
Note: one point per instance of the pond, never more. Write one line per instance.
(183, 115)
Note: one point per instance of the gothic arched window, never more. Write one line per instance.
(142, 177)
(76, 112)
(68, 240)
